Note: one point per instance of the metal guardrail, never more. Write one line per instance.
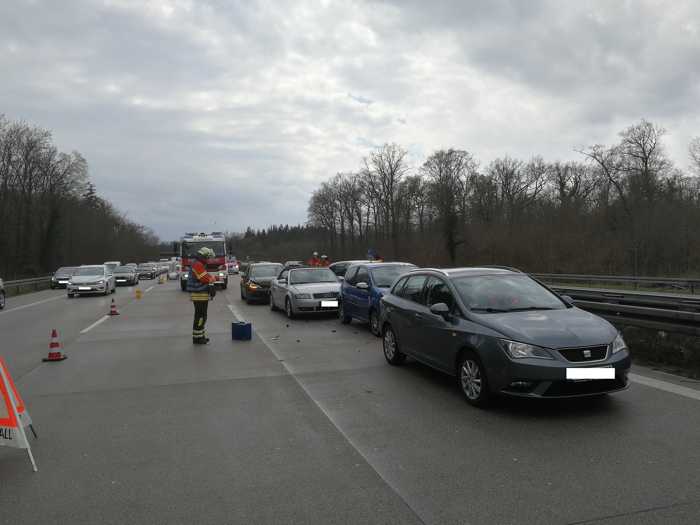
(667, 312)
(19, 286)
(690, 284)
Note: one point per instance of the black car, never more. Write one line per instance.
(147, 271)
(501, 332)
(61, 276)
(255, 283)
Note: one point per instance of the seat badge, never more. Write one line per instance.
(587, 354)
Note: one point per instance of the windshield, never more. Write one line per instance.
(66, 270)
(189, 249)
(385, 276)
(505, 293)
(123, 269)
(90, 270)
(312, 275)
(269, 270)
(145, 266)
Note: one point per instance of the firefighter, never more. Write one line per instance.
(314, 261)
(200, 284)
(324, 261)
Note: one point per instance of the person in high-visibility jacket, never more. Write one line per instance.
(200, 284)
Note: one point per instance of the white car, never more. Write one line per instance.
(91, 279)
(111, 265)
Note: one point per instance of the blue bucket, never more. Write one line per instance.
(241, 331)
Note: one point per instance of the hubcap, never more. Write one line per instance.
(470, 375)
(389, 344)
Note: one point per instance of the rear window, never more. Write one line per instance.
(312, 275)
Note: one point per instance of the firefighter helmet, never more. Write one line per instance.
(206, 253)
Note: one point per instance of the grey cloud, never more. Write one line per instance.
(196, 113)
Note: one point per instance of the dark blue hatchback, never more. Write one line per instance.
(363, 288)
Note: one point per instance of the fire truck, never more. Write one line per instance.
(190, 243)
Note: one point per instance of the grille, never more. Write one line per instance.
(582, 355)
(326, 295)
(594, 386)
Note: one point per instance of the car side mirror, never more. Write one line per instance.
(568, 300)
(362, 286)
(440, 309)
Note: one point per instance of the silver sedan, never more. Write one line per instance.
(305, 290)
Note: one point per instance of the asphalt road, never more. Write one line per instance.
(308, 424)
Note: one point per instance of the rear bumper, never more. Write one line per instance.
(259, 294)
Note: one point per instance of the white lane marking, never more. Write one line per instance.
(665, 386)
(30, 304)
(149, 289)
(93, 325)
(347, 438)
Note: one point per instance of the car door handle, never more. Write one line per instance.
(418, 316)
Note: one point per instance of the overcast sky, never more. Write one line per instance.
(216, 115)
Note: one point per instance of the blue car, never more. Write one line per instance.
(363, 287)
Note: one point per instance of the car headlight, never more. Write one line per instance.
(302, 296)
(522, 350)
(221, 274)
(618, 344)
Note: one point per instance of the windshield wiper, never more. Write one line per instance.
(489, 310)
(528, 308)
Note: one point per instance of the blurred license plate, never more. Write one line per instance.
(329, 304)
(588, 374)
(83, 288)
(121, 280)
(62, 282)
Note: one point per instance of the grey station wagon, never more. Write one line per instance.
(499, 331)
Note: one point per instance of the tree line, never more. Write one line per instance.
(622, 208)
(50, 212)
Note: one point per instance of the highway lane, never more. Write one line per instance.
(27, 321)
(308, 424)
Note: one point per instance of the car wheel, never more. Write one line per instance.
(114, 289)
(242, 295)
(472, 380)
(273, 307)
(392, 354)
(288, 308)
(183, 285)
(2, 300)
(345, 319)
(374, 323)
(225, 284)
(70, 296)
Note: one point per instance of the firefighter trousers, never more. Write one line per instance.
(200, 320)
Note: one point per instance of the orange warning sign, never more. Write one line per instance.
(14, 416)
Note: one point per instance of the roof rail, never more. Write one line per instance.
(433, 269)
(500, 267)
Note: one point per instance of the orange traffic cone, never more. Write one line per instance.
(113, 309)
(55, 353)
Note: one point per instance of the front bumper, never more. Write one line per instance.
(258, 293)
(147, 275)
(547, 379)
(80, 289)
(303, 306)
(59, 283)
(125, 281)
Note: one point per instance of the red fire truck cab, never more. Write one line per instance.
(190, 243)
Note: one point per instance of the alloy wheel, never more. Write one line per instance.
(470, 379)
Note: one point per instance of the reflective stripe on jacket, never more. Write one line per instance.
(198, 282)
